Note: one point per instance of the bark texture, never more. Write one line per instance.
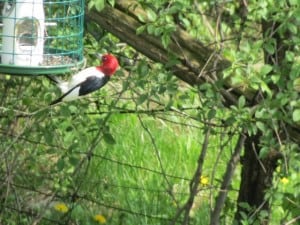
(199, 64)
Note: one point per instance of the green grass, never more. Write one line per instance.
(128, 179)
(143, 178)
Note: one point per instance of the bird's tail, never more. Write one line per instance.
(57, 100)
(65, 94)
(53, 79)
(63, 85)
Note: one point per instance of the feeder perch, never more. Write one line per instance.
(41, 37)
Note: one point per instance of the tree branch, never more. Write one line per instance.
(194, 57)
(194, 184)
(235, 158)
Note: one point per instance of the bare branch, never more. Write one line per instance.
(215, 216)
(194, 184)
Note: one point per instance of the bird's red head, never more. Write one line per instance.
(109, 64)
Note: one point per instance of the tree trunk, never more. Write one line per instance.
(256, 178)
(199, 64)
(257, 174)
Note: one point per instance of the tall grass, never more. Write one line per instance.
(144, 177)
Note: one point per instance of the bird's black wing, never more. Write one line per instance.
(91, 84)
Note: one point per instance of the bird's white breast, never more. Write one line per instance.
(77, 79)
(83, 75)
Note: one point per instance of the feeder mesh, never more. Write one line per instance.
(49, 43)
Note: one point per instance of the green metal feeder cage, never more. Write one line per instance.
(41, 37)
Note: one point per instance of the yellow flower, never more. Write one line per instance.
(284, 180)
(100, 219)
(61, 207)
(204, 180)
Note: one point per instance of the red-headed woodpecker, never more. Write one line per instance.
(87, 80)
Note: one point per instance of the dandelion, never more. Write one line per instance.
(204, 180)
(100, 219)
(284, 180)
(61, 207)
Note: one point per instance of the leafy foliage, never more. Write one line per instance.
(127, 154)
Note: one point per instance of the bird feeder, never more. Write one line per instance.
(41, 36)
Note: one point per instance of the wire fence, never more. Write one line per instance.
(48, 179)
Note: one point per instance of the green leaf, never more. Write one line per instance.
(142, 98)
(252, 129)
(275, 78)
(143, 69)
(141, 18)
(91, 5)
(186, 22)
(48, 137)
(294, 2)
(211, 114)
(175, 8)
(151, 15)
(230, 121)
(111, 2)
(73, 160)
(238, 78)
(125, 85)
(65, 111)
(158, 31)
(98, 4)
(241, 102)
(260, 113)
(265, 88)
(260, 126)
(165, 40)
(245, 205)
(150, 29)
(265, 69)
(264, 152)
(290, 56)
(72, 108)
(205, 87)
(292, 28)
(270, 47)
(109, 139)
(60, 164)
(296, 84)
(169, 28)
(230, 54)
(296, 115)
(140, 29)
(47, 97)
(77, 211)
